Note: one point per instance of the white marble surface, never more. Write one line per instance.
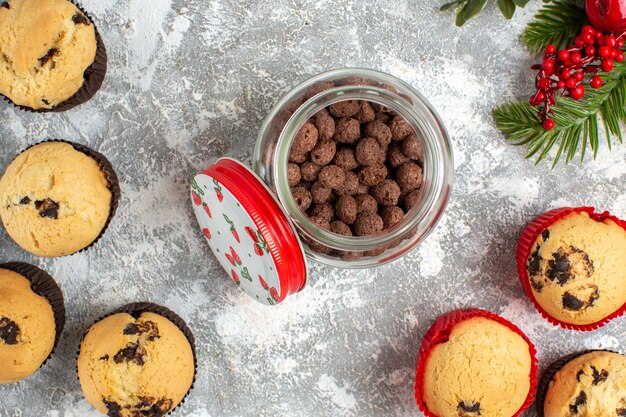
(192, 80)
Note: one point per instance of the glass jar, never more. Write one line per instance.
(305, 100)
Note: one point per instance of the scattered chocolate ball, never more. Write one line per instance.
(345, 159)
(320, 194)
(340, 228)
(310, 171)
(366, 204)
(346, 209)
(325, 125)
(409, 176)
(332, 176)
(395, 156)
(387, 193)
(293, 174)
(306, 139)
(373, 174)
(320, 222)
(350, 185)
(400, 128)
(368, 224)
(411, 199)
(302, 197)
(369, 152)
(391, 216)
(380, 108)
(346, 108)
(383, 117)
(412, 147)
(324, 152)
(298, 157)
(379, 131)
(366, 113)
(324, 211)
(348, 130)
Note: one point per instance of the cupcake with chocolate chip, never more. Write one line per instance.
(591, 383)
(140, 361)
(32, 316)
(51, 56)
(571, 263)
(57, 198)
(474, 363)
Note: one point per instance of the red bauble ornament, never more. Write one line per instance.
(607, 15)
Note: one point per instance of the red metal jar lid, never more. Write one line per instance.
(248, 231)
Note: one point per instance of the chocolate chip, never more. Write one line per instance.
(104, 358)
(113, 408)
(545, 234)
(131, 353)
(570, 302)
(44, 101)
(621, 408)
(599, 376)
(9, 331)
(80, 19)
(5, 4)
(25, 201)
(580, 400)
(579, 374)
(148, 407)
(465, 410)
(47, 208)
(147, 327)
(559, 268)
(48, 56)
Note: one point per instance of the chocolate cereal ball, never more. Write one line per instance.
(346, 108)
(324, 152)
(345, 159)
(412, 147)
(366, 204)
(325, 125)
(373, 174)
(320, 194)
(391, 216)
(324, 211)
(302, 197)
(379, 131)
(369, 152)
(298, 157)
(410, 200)
(368, 224)
(350, 185)
(366, 113)
(318, 88)
(400, 128)
(387, 193)
(409, 176)
(320, 222)
(310, 171)
(348, 130)
(383, 117)
(346, 209)
(331, 176)
(306, 139)
(293, 175)
(340, 228)
(395, 156)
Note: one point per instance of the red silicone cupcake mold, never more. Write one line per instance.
(439, 333)
(524, 246)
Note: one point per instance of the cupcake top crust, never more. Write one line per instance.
(577, 269)
(27, 328)
(591, 385)
(483, 369)
(54, 200)
(45, 48)
(129, 367)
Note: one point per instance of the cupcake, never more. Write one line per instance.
(32, 316)
(140, 361)
(571, 263)
(51, 56)
(586, 384)
(56, 198)
(474, 363)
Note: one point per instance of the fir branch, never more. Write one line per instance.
(467, 9)
(576, 121)
(557, 22)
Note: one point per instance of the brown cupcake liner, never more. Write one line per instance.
(551, 371)
(114, 184)
(94, 76)
(45, 286)
(135, 310)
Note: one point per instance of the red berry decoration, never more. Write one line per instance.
(235, 256)
(566, 71)
(230, 259)
(235, 277)
(196, 198)
(607, 15)
(263, 283)
(274, 294)
(251, 233)
(258, 250)
(207, 233)
(207, 210)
